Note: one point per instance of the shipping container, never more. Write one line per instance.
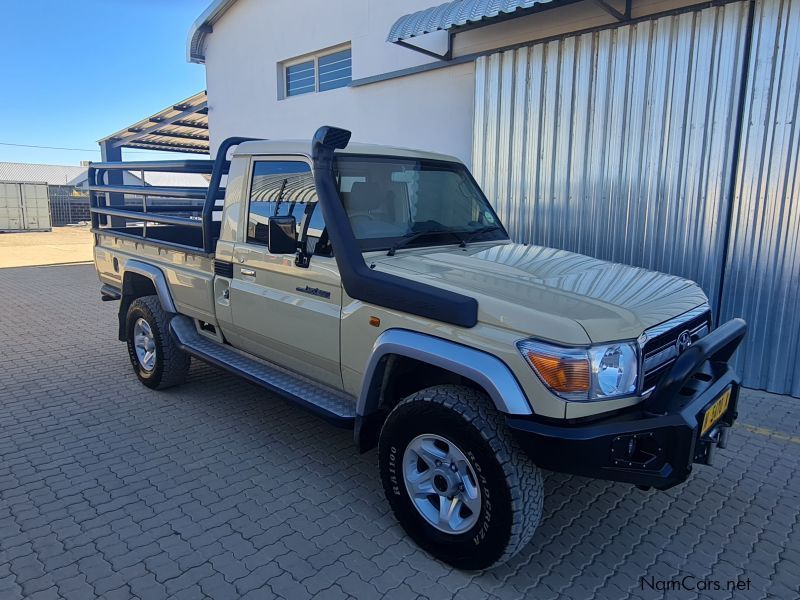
(24, 207)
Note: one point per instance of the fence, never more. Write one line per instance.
(68, 205)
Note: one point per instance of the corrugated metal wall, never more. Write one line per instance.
(618, 144)
(762, 278)
(621, 144)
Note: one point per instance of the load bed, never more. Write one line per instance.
(176, 217)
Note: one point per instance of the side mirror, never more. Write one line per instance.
(282, 235)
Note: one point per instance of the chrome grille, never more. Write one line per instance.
(660, 346)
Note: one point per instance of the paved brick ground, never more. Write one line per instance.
(217, 489)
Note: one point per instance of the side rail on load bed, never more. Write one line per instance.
(181, 217)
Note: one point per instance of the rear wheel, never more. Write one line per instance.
(155, 357)
(455, 478)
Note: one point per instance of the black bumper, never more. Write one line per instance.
(657, 444)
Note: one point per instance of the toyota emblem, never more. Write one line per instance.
(683, 342)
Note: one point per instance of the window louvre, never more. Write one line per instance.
(319, 74)
(300, 78)
(335, 70)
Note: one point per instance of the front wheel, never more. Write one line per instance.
(456, 480)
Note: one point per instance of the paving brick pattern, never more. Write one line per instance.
(216, 489)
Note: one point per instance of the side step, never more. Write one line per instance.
(333, 405)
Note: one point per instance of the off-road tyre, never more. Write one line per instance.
(510, 483)
(171, 363)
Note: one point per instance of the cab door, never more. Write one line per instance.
(283, 313)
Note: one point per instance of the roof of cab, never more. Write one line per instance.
(303, 147)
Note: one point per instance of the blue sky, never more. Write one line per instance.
(76, 71)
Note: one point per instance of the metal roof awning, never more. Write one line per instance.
(463, 15)
(182, 127)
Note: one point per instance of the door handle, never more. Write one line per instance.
(248, 272)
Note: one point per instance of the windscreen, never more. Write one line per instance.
(389, 199)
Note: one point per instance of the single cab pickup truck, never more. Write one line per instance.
(377, 287)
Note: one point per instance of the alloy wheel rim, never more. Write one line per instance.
(441, 483)
(144, 342)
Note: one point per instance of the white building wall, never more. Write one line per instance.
(243, 55)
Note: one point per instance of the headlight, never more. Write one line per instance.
(594, 373)
(614, 369)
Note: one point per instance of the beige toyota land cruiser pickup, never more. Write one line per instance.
(377, 287)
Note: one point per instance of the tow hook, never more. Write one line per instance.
(710, 453)
(723, 437)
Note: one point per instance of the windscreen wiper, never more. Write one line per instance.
(407, 239)
(473, 234)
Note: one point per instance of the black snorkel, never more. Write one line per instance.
(361, 282)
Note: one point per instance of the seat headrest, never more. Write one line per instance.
(396, 191)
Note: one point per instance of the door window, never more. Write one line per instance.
(317, 242)
(278, 188)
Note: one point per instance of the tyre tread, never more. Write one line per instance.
(522, 476)
(175, 362)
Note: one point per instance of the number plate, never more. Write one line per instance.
(716, 410)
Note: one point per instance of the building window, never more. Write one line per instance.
(319, 73)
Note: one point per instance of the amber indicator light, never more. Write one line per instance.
(562, 374)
